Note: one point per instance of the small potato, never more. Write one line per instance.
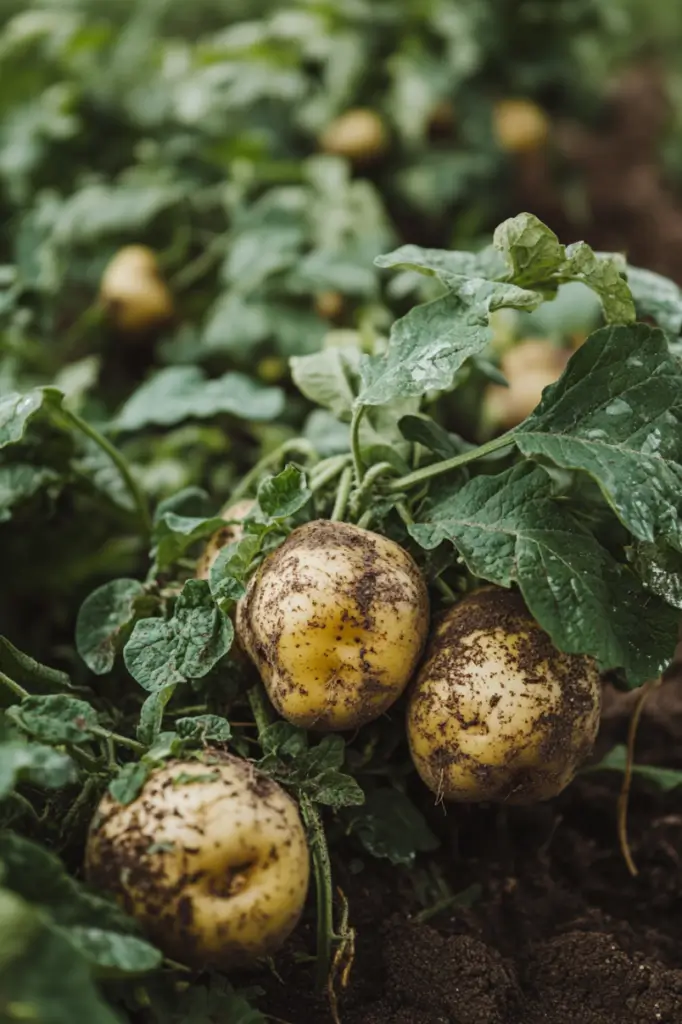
(133, 292)
(497, 712)
(359, 135)
(227, 535)
(329, 305)
(520, 125)
(530, 367)
(211, 859)
(335, 621)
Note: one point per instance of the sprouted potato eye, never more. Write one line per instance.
(496, 712)
(230, 533)
(520, 125)
(133, 292)
(335, 621)
(211, 859)
(359, 135)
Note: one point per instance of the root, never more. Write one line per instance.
(624, 796)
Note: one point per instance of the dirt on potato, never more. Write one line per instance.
(560, 934)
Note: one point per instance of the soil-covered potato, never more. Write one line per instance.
(335, 621)
(529, 367)
(227, 535)
(134, 294)
(359, 134)
(497, 712)
(211, 859)
(520, 125)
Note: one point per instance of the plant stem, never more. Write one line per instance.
(446, 591)
(345, 484)
(365, 519)
(403, 483)
(323, 888)
(624, 795)
(404, 513)
(320, 479)
(122, 741)
(297, 444)
(374, 472)
(16, 689)
(358, 413)
(200, 265)
(119, 461)
(260, 708)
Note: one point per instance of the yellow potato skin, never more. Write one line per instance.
(133, 292)
(216, 870)
(496, 712)
(228, 535)
(358, 134)
(335, 621)
(529, 367)
(520, 126)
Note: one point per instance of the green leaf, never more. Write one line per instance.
(616, 413)
(228, 573)
(204, 729)
(99, 209)
(174, 534)
(283, 495)
(531, 250)
(660, 570)
(30, 673)
(19, 925)
(604, 275)
(112, 954)
(447, 266)
(32, 762)
(509, 529)
(19, 482)
(161, 652)
(656, 297)
(666, 779)
(426, 432)
(55, 719)
(179, 393)
(329, 378)
(390, 826)
(104, 622)
(129, 782)
(151, 714)
(17, 410)
(314, 771)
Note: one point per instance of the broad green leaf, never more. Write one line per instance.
(227, 575)
(151, 714)
(283, 495)
(111, 954)
(129, 782)
(236, 325)
(446, 266)
(21, 481)
(100, 209)
(312, 770)
(31, 762)
(509, 529)
(616, 413)
(179, 393)
(531, 250)
(28, 672)
(104, 622)
(616, 760)
(19, 925)
(55, 719)
(204, 728)
(604, 275)
(161, 652)
(17, 410)
(174, 534)
(656, 297)
(426, 432)
(389, 825)
(660, 570)
(329, 378)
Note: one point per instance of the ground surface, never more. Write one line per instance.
(561, 934)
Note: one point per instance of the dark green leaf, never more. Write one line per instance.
(129, 782)
(29, 673)
(180, 393)
(656, 297)
(104, 622)
(283, 495)
(111, 954)
(161, 652)
(389, 825)
(20, 481)
(204, 728)
(660, 570)
(174, 534)
(151, 714)
(509, 529)
(17, 411)
(55, 719)
(425, 431)
(616, 413)
(31, 762)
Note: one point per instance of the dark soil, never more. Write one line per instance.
(560, 934)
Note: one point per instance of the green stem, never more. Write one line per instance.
(358, 413)
(403, 483)
(297, 444)
(323, 889)
(345, 484)
(334, 466)
(365, 519)
(404, 513)
(119, 461)
(17, 690)
(196, 268)
(260, 708)
(374, 472)
(122, 741)
(446, 591)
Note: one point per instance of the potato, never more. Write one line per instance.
(335, 621)
(329, 305)
(520, 125)
(497, 712)
(133, 292)
(211, 859)
(530, 367)
(358, 134)
(227, 535)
